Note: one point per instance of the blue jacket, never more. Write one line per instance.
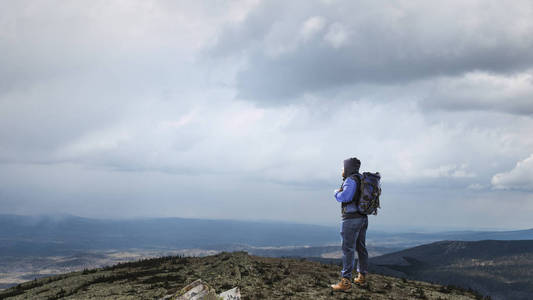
(349, 186)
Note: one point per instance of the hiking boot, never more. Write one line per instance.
(361, 278)
(343, 285)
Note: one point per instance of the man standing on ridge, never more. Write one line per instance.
(353, 227)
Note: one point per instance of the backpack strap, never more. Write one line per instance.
(357, 195)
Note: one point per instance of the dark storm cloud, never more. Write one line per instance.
(378, 42)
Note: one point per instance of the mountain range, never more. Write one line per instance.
(48, 235)
(53, 235)
(496, 263)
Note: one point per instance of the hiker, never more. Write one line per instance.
(353, 227)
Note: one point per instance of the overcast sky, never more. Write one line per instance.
(246, 109)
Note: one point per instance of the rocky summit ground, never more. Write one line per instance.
(257, 278)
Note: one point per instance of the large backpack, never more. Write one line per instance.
(368, 192)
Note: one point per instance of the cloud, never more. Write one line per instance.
(337, 35)
(173, 108)
(312, 26)
(379, 42)
(520, 177)
(482, 91)
(51, 40)
(453, 171)
(476, 186)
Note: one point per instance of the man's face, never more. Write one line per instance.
(342, 172)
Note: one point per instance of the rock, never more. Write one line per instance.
(233, 294)
(199, 290)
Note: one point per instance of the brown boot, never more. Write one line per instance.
(361, 278)
(343, 285)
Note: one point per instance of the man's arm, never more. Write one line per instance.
(347, 192)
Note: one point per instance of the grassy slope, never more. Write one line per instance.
(257, 277)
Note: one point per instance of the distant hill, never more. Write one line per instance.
(490, 235)
(411, 239)
(48, 235)
(501, 269)
(64, 235)
(256, 277)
